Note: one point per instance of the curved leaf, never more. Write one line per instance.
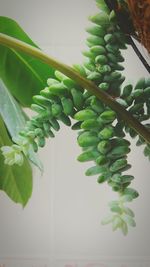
(14, 119)
(23, 75)
(10, 111)
(15, 181)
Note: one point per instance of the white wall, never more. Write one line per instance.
(61, 224)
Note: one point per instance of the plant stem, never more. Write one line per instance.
(138, 53)
(71, 73)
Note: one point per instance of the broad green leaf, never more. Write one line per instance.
(14, 118)
(15, 181)
(10, 111)
(23, 75)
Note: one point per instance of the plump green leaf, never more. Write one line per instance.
(15, 181)
(107, 219)
(14, 118)
(116, 208)
(23, 75)
(129, 220)
(131, 192)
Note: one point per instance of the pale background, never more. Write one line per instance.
(61, 224)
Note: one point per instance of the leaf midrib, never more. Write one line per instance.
(28, 66)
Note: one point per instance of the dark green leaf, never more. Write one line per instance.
(23, 75)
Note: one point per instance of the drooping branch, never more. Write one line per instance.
(71, 73)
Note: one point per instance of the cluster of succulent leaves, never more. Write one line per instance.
(101, 131)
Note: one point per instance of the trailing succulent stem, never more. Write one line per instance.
(82, 81)
(101, 130)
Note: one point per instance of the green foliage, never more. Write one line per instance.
(17, 121)
(101, 130)
(15, 181)
(8, 105)
(24, 76)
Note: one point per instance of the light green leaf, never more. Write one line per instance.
(128, 212)
(114, 206)
(124, 228)
(11, 112)
(117, 222)
(107, 219)
(33, 157)
(129, 220)
(15, 181)
(14, 118)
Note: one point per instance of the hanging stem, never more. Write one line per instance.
(71, 73)
(138, 53)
